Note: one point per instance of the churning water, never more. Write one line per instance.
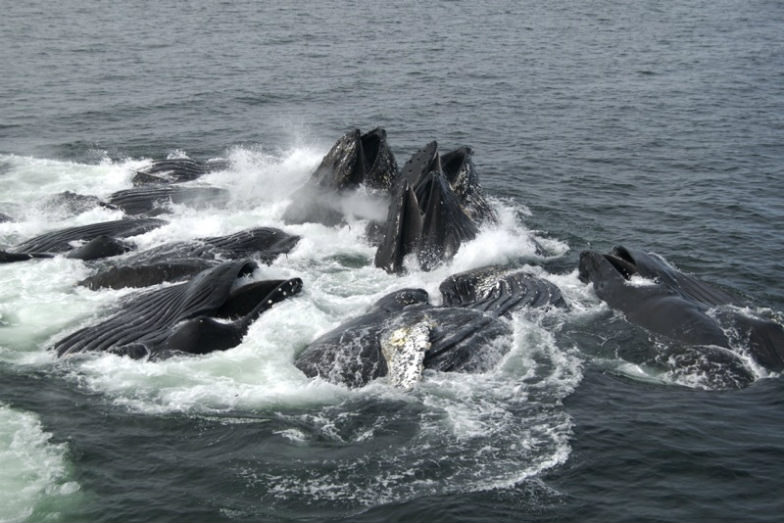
(594, 124)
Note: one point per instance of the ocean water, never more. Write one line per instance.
(594, 124)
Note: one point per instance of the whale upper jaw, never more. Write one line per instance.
(619, 262)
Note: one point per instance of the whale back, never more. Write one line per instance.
(654, 267)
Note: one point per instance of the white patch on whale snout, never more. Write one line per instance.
(404, 350)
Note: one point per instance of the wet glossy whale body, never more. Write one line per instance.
(177, 261)
(436, 205)
(62, 241)
(355, 160)
(463, 335)
(174, 170)
(210, 312)
(152, 200)
(73, 203)
(679, 306)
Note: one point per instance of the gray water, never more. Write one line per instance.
(594, 124)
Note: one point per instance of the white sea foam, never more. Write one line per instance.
(493, 420)
(34, 472)
(640, 281)
(335, 264)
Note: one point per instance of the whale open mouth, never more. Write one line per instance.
(622, 260)
(371, 145)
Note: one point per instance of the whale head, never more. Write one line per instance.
(618, 265)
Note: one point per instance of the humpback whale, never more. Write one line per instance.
(435, 202)
(152, 200)
(355, 160)
(460, 173)
(678, 306)
(403, 333)
(174, 170)
(433, 209)
(61, 241)
(180, 260)
(212, 311)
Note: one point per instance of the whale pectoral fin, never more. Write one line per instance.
(404, 350)
(11, 257)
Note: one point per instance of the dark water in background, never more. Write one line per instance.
(648, 125)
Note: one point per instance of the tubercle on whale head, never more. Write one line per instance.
(293, 286)
(285, 289)
(587, 266)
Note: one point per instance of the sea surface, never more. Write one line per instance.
(654, 125)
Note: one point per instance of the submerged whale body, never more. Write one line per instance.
(678, 306)
(174, 170)
(154, 199)
(355, 160)
(102, 246)
(212, 311)
(74, 203)
(437, 205)
(103, 237)
(178, 261)
(403, 333)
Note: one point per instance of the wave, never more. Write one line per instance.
(35, 473)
